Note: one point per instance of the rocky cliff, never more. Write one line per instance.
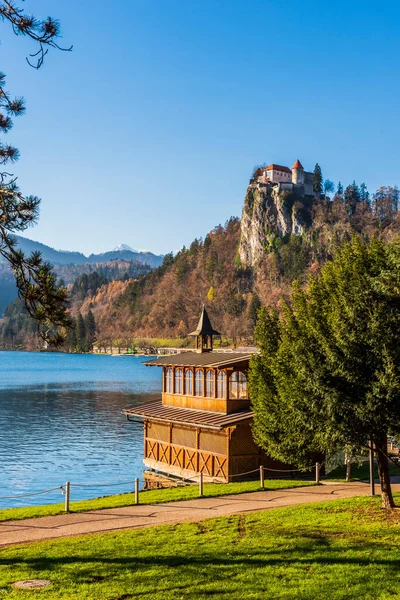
(269, 214)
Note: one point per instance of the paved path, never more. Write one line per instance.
(32, 530)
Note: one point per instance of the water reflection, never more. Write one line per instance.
(60, 420)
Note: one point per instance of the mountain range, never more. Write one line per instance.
(65, 257)
(117, 263)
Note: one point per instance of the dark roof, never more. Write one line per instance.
(156, 411)
(197, 359)
(204, 326)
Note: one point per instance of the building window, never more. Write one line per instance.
(168, 381)
(210, 384)
(199, 383)
(238, 386)
(189, 382)
(221, 385)
(178, 381)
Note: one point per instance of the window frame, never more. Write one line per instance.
(197, 381)
(238, 385)
(209, 387)
(178, 381)
(221, 385)
(169, 378)
(188, 375)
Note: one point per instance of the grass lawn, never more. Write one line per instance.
(150, 497)
(344, 549)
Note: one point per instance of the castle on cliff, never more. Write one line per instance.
(295, 179)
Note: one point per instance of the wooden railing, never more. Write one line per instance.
(198, 461)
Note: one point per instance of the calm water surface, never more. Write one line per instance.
(60, 420)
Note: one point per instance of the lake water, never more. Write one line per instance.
(60, 420)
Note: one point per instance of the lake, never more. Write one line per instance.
(60, 420)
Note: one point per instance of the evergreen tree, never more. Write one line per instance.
(328, 372)
(364, 194)
(80, 334)
(70, 340)
(207, 243)
(44, 299)
(352, 197)
(194, 247)
(90, 331)
(329, 187)
(339, 191)
(318, 180)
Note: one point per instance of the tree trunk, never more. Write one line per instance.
(383, 470)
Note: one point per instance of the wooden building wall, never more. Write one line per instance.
(186, 451)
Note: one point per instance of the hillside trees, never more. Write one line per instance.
(329, 369)
(82, 334)
(352, 197)
(44, 299)
(385, 204)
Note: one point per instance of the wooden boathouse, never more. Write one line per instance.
(202, 423)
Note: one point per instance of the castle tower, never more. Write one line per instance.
(298, 173)
(204, 333)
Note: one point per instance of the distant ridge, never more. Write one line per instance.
(65, 257)
(69, 265)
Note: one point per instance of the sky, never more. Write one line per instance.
(147, 132)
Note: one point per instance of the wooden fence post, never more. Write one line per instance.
(371, 469)
(317, 472)
(136, 491)
(67, 495)
(262, 477)
(348, 466)
(200, 484)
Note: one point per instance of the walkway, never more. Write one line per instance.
(44, 528)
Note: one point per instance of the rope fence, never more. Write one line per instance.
(66, 489)
(59, 487)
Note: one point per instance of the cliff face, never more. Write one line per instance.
(267, 214)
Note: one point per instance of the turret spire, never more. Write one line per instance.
(204, 333)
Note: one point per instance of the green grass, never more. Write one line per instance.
(149, 497)
(359, 472)
(339, 550)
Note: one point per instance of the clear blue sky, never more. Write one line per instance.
(147, 132)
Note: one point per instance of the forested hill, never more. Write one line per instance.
(166, 302)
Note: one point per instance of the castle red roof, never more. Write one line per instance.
(277, 168)
(297, 165)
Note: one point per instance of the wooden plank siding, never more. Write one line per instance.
(222, 405)
(187, 452)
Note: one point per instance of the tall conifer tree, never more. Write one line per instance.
(80, 334)
(318, 181)
(328, 374)
(90, 330)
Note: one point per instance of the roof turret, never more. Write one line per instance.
(204, 333)
(204, 326)
(298, 165)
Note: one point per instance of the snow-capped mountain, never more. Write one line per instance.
(123, 248)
